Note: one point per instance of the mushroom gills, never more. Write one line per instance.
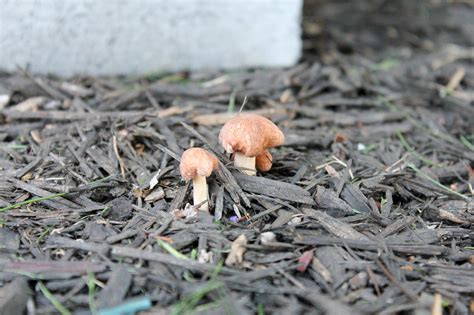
(200, 192)
(245, 164)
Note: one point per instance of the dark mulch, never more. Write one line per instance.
(368, 207)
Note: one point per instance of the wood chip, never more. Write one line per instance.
(273, 188)
(335, 226)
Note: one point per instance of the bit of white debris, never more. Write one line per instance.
(267, 237)
(204, 256)
(4, 99)
(154, 179)
(361, 147)
(296, 220)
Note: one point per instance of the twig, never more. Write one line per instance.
(455, 79)
(117, 155)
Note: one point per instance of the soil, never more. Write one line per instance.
(368, 208)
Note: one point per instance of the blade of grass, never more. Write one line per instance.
(411, 150)
(28, 274)
(15, 146)
(45, 232)
(193, 254)
(30, 201)
(38, 199)
(435, 182)
(416, 123)
(218, 269)
(466, 142)
(170, 249)
(385, 64)
(190, 302)
(91, 292)
(61, 309)
(231, 106)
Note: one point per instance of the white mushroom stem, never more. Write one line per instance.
(245, 164)
(200, 192)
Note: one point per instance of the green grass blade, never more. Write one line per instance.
(435, 182)
(91, 292)
(231, 105)
(466, 142)
(61, 309)
(170, 249)
(38, 199)
(217, 270)
(30, 201)
(411, 150)
(43, 234)
(188, 303)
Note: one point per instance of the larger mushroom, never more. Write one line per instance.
(197, 164)
(248, 136)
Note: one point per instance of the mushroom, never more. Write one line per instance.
(197, 164)
(264, 161)
(248, 136)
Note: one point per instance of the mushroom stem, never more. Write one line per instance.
(200, 192)
(245, 164)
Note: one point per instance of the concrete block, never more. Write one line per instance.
(136, 37)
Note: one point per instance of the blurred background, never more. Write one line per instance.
(381, 27)
(150, 36)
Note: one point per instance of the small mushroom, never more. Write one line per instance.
(248, 136)
(197, 164)
(264, 161)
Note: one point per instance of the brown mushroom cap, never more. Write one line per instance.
(250, 134)
(264, 161)
(197, 161)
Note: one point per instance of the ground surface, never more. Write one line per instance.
(368, 207)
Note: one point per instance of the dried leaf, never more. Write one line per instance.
(237, 250)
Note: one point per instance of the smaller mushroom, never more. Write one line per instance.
(197, 164)
(248, 136)
(264, 161)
